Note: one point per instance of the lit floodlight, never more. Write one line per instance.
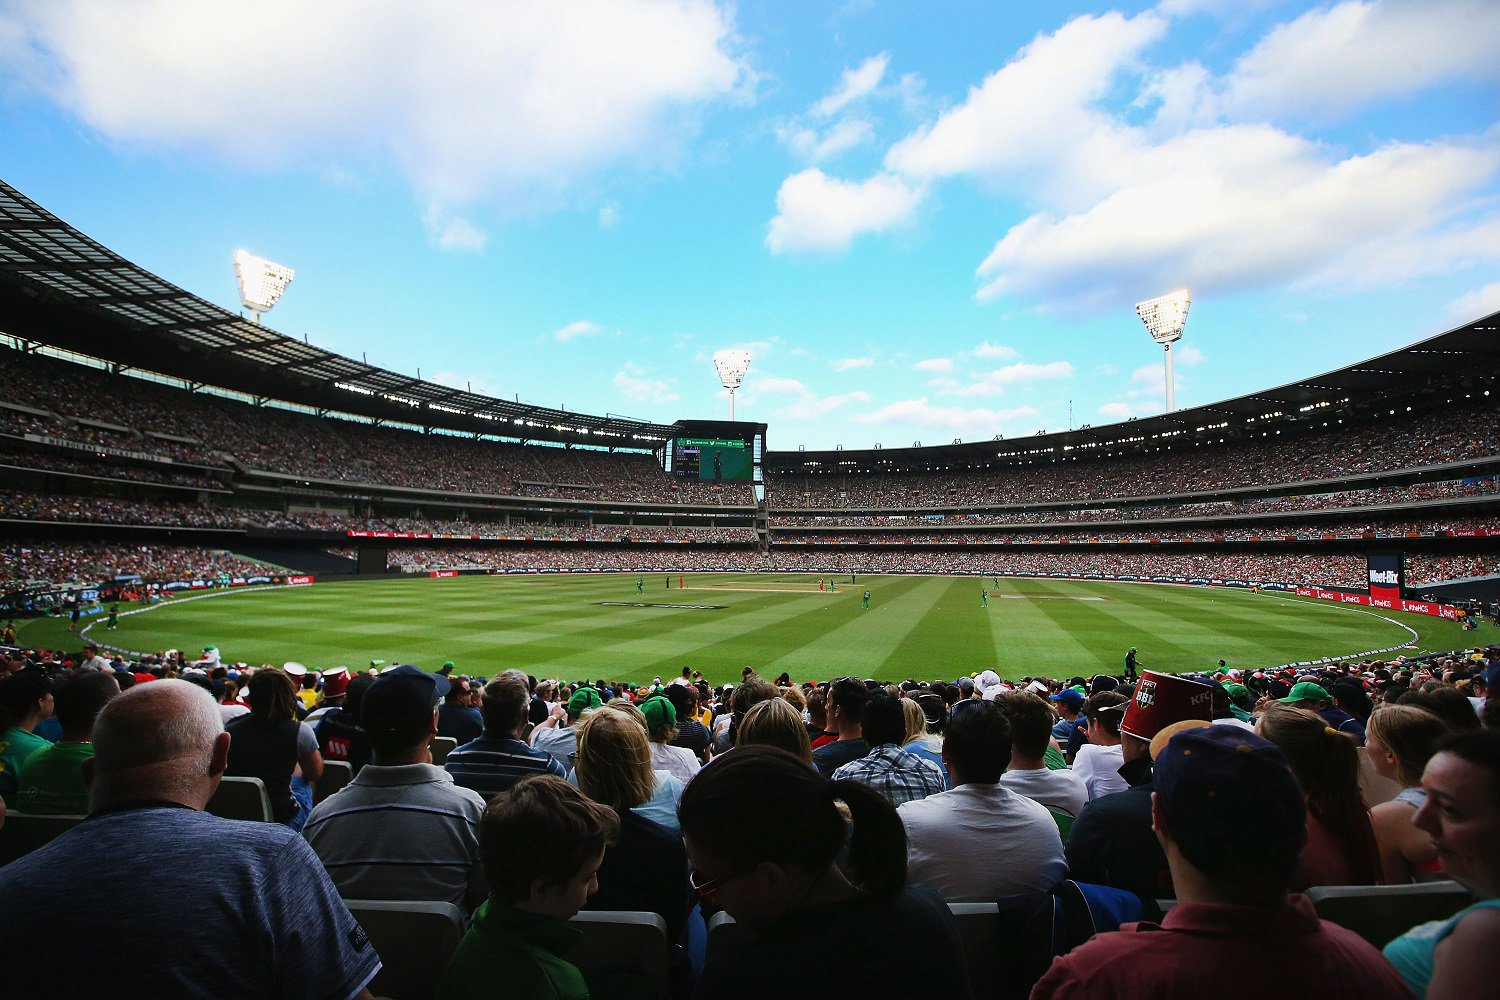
(1165, 316)
(261, 282)
(732, 364)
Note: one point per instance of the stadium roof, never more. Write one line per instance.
(1462, 360)
(60, 288)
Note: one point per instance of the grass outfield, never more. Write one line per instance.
(924, 627)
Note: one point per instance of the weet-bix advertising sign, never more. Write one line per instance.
(1387, 577)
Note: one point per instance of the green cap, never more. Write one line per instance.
(583, 699)
(658, 712)
(1306, 691)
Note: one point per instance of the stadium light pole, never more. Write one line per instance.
(261, 282)
(732, 364)
(1165, 316)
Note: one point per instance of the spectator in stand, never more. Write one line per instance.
(25, 700)
(893, 772)
(243, 909)
(457, 719)
(340, 736)
(1448, 704)
(1340, 847)
(1313, 697)
(401, 829)
(1399, 741)
(334, 688)
(1060, 791)
(942, 828)
(542, 844)
(270, 744)
(52, 781)
(1457, 957)
(1231, 821)
(845, 703)
(926, 715)
(817, 719)
(646, 869)
(499, 757)
(692, 735)
(1098, 761)
(764, 834)
(558, 735)
(775, 723)
(661, 723)
(751, 692)
(1069, 702)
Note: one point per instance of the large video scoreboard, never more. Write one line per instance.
(715, 451)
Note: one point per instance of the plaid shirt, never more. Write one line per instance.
(894, 773)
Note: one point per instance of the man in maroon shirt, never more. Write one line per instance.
(1231, 819)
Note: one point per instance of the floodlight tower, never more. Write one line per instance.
(732, 364)
(1165, 317)
(261, 282)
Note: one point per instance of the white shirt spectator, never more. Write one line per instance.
(1054, 789)
(982, 842)
(1098, 767)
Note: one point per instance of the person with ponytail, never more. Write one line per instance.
(1341, 847)
(765, 835)
(1400, 740)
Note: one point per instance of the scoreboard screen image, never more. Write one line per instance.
(712, 459)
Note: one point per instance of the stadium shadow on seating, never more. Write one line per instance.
(336, 774)
(439, 748)
(241, 798)
(623, 953)
(25, 832)
(414, 941)
(1379, 913)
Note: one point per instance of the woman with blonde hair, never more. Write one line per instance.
(1399, 741)
(647, 868)
(775, 723)
(1340, 848)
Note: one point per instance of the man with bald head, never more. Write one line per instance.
(228, 908)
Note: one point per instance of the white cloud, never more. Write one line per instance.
(974, 422)
(609, 215)
(1188, 355)
(803, 403)
(853, 85)
(1480, 302)
(815, 212)
(816, 147)
(1155, 374)
(851, 364)
(1334, 60)
(638, 385)
(579, 328)
(995, 382)
(447, 231)
(940, 366)
(1116, 411)
(506, 104)
(996, 351)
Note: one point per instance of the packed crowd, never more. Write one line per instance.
(156, 475)
(1385, 496)
(47, 562)
(325, 521)
(847, 808)
(1402, 441)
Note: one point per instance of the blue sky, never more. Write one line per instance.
(925, 221)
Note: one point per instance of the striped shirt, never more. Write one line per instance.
(490, 764)
(401, 832)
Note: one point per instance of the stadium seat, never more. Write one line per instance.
(623, 953)
(1379, 913)
(336, 774)
(241, 798)
(980, 931)
(439, 748)
(414, 941)
(25, 832)
(1064, 821)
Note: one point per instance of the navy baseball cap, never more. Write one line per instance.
(401, 697)
(1068, 696)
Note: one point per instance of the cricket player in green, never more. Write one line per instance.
(984, 598)
(114, 617)
(640, 585)
(865, 601)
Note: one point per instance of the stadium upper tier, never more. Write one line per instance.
(75, 418)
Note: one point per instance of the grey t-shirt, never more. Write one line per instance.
(214, 907)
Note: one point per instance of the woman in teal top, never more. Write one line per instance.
(1457, 957)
